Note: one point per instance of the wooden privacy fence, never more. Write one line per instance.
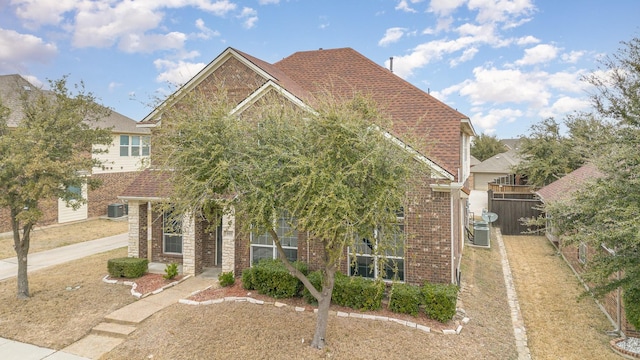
(511, 207)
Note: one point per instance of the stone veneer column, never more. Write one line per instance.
(228, 241)
(188, 245)
(133, 249)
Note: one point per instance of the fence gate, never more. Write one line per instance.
(511, 207)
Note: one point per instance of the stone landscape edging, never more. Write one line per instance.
(343, 314)
(622, 352)
(134, 286)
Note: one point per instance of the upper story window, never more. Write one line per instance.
(135, 145)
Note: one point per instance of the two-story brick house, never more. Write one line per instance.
(436, 212)
(118, 171)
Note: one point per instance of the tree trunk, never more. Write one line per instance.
(324, 302)
(21, 245)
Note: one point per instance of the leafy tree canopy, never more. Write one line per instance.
(333, 169)
(552, 149)
(47, 154)
(606, 212)
(485, 146)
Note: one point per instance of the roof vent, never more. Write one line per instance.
(391, 64)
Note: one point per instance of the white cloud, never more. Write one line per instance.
(572, 57)
(565, 105)
(392, 35)
(403, 5)
(445, 7)
(467, 55)
(104, 23)
(503, 11)
(17, 49)
(538, 54)
(267, 2)
(176, 72)
(135, 43)
(498, 86)
(488, 121)
(527, 40)
(249, 17)
(113, 85)
(205, 33)
(38, 13)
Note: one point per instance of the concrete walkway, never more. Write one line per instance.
(117, 325)
(57, 256)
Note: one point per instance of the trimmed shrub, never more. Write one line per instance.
(439, 301)
(226, 279)
(170, 271)
(247, 279)
(316, 280)
(271, 277)
(127, 267)
(357, 292)
(405, 299)
(631, 299)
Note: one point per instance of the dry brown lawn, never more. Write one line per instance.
(558, 325)
(248, 331)
(55, 317)
(46, 238)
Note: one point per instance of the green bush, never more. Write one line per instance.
(271, 277)
(357, 292)
(405, 299)
(127, 267)
(439, 301)
(631, 299)
(171, 271)
(247, 279)
(316, 280)
(226, 279)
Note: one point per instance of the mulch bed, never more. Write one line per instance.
(236, 290)
(148, 283)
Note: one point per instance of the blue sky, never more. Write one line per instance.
(505, 64)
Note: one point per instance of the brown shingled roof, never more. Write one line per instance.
(149, 184)
(562, 188)
(345, 71)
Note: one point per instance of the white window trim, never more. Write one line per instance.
(376, 257)
(582, 253)
(273, 245)
(165, 233)
(143, 142)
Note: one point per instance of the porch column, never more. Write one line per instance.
(228, 242)
(188, 245)
(133, 250)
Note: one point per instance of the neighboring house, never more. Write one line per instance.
(577, 256)
(433, 221)
(118, 171)
(496, 167)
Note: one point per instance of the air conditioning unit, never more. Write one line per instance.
(115, 210)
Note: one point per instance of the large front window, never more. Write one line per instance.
(263, 247)
(377, 260)
(171, 233)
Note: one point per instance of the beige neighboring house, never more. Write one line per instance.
(127, 155)
(495, 167)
